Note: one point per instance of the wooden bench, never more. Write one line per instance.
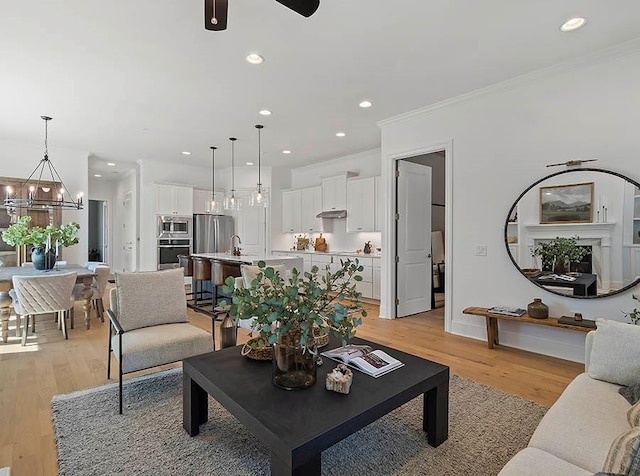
(492, 323)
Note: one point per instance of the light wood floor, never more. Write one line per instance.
(49, 365)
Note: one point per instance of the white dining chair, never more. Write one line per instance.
(43, 295)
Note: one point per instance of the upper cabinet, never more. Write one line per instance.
(334, 193)
(379, 204)
(174, 200)
(291, 211)
(201, 198)
(361, 205)
(311, 205)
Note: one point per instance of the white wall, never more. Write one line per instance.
(19, 159)
(502, 139)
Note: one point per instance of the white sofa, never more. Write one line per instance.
(575, 435)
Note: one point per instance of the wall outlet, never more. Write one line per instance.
(481, 250)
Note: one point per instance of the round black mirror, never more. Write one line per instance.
(576, 233)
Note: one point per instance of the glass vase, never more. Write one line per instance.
(294, 367)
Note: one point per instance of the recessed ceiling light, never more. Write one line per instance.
(365, 104)
(249, 163)
(340, 134)
(255, 58)
(265, 112)
(186, 152)
(111, 164)
(573, 24)
(286, 151)
(97, 175)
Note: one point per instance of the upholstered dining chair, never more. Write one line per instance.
(43, 295)
(148, 323)
(102, 272)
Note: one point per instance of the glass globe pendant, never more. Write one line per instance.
(232, 201)
(259, 195)
(213, 206)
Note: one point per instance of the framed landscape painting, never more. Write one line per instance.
(567, 203)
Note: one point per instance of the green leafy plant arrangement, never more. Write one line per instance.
(293, 306)
(21, 234)
(634, 315)
(559, 251)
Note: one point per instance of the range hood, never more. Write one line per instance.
(333, 214)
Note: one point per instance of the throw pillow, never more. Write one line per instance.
(633, 415)
(615, 353)
(623, 455)
(631, 393)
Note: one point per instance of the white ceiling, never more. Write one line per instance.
(142, 79)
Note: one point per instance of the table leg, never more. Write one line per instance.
(435, 416)
(195, 409)
(313, 467)
(5, 313)
(489, 332)
(494, 327)
(87, 294)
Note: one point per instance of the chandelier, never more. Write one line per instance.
(213, 206)
(231, 201)
(34, 192)
(259, 196)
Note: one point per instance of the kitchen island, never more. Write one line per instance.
(289, 262)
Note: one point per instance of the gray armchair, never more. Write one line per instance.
(148, 314)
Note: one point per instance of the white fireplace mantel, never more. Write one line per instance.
(601, 231)
(597, 235)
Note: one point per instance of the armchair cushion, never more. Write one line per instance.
(159, 345)
(151, 298)
(615, 353)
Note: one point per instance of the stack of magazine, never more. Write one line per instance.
(364, 358)
(507, 311)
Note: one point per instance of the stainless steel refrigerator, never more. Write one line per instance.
(212, 233)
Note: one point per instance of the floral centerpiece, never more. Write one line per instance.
(558, 254)
(45, 241)
(634, 315)
(288, 310)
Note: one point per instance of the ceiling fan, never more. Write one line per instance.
(215, 11)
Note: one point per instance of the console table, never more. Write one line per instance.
(492, 323)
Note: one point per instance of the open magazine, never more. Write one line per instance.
(364, 358)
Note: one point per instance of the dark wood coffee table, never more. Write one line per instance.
(298, 426)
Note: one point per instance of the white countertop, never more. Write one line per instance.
(329, 253)
(248, 259)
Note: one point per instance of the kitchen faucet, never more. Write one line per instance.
(236, 249)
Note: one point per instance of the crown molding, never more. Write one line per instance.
(592, 58)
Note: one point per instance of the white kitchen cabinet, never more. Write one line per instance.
(201, 199)
(375, 294)
(311, 205)
(174, 200)
(361, 205)
(291, 211)
(379, 204)
(334, 193)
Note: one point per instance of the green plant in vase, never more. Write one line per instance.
(558, 254)
(44, 241)
(286, 310)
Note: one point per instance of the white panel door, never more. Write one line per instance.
(413, 268)
(128, 235)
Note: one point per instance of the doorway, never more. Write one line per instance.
(98, 231)
(420, 233)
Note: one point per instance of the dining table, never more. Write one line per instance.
(85, 277)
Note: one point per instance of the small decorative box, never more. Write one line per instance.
(339, 379)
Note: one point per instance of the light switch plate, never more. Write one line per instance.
(481, 250)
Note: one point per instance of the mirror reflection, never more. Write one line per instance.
(577, 233)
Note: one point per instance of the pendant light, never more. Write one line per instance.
(231, 201)
(213, 206)
(259, 196)
(35, 193)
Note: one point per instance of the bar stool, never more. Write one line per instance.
(186, 263)
(201, 272)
